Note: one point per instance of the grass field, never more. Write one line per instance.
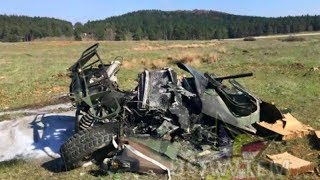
(34, 74)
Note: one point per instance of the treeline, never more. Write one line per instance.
(196, 24)
(24, 28)
(156, 25)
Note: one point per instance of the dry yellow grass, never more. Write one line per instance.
(190, 58)
(129, 64)
(212, 58)
(145, 63)
(176, 52)
(194, 59)
(221, 49)
(149, 46)
(159, 63)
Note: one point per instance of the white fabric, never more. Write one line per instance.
(36, 136)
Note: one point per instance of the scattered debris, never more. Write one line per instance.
(290, 164)
(315, 68)
(138, 157)
(312, 71)
(288, 127)
(195, 118)
(253, 149)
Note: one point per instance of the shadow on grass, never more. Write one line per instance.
(271, 167)
(98, 173)
(314, 142)
(55, 166)
(51, 131)
(11, 163)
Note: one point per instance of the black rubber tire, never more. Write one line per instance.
(84, 145)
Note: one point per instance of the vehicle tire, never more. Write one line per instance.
(92, 143)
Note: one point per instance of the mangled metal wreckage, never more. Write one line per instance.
(163, 117)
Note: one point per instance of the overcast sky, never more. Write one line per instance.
(82, 11)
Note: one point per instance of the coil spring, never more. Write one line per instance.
(86, 121)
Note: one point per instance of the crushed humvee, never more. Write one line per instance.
(163, 114)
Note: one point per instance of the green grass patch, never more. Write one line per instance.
(34, 74)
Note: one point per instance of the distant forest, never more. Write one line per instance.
(24, 28)
(156, 25)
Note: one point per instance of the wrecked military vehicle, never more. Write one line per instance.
(124, 130)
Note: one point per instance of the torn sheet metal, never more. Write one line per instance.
(214, 106)
(290, 164)
(164, 147)
(199, 79)
(288, 127)
(135, 156)
(152, 90)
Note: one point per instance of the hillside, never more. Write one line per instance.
(196, 24)
(24, 28)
